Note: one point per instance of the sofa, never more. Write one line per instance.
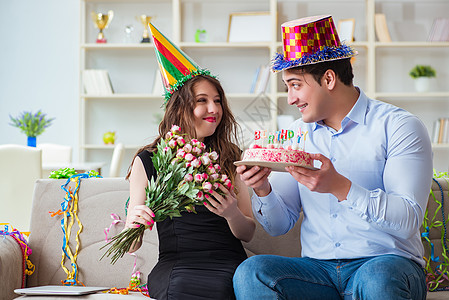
(98, 199)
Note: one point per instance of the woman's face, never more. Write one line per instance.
(208, 111)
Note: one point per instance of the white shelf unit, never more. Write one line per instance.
(381, 69)
(410, 23)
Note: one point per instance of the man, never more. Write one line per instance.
(364, 206)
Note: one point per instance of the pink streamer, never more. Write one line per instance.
(116, 219)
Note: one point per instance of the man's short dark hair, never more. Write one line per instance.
(341, 67)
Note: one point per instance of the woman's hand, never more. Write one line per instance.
(224, 206)
(139, 215)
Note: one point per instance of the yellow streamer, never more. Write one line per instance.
(69, 220)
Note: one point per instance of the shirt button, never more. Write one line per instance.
(337, 244)
(334, 216)
(333, 159)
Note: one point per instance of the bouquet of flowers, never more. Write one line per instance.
(185, 174)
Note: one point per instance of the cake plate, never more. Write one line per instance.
(275, 166)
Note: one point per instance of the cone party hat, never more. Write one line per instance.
(176, 67)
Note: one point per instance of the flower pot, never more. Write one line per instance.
(422, 84)
(31, 141)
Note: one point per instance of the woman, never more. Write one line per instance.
(198, 253)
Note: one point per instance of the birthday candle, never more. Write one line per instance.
(284, 135)
(257, 137)
(299, 136)
(271, 138)
(304, 141)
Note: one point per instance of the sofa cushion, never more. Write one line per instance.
(98, 199)
(285, 245)
(11, 267)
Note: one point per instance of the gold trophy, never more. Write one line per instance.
(102, 21)
(145, 20)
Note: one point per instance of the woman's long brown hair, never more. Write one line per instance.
(179, 111)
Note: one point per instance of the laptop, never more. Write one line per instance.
(55, 290)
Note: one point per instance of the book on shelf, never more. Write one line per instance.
(88, 83)
(261, 78)
(383, 35)
(435, 131)
(439, 31)
(440, 131)
(444, 139)
(106, 82)
(97, 82)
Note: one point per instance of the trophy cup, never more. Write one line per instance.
(102, 21)
(145, 20)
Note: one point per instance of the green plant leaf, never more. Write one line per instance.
(31, 124)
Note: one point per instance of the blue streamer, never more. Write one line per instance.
(432, 251)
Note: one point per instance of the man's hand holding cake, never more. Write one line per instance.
(277, 151)
(281, 151)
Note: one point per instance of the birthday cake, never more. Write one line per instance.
(277, 151)
(278, 155)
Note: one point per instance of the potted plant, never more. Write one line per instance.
(421, 74)
(31, 124)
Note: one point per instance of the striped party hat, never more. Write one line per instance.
(308, 41)
(175, 66)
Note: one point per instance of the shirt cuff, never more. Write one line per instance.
(262, 204)
(357, 199)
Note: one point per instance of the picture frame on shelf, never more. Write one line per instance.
(382, 32)
(249, 27)
(346, 30)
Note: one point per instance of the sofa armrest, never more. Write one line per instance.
(11, 266)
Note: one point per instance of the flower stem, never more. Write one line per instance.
(121, 243)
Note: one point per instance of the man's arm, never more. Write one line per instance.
(399, 210)
(275, 203)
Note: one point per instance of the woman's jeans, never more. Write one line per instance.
(379, 278)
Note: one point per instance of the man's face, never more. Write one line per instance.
(306, 94)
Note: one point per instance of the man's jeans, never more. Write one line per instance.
(380, 278)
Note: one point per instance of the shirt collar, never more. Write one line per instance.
(359, 110)
(357, 113)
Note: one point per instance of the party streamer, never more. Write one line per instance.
(28, 267)
(69, 210)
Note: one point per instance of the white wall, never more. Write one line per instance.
(39, 67)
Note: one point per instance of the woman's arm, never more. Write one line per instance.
(236, 209)
(138, 213)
